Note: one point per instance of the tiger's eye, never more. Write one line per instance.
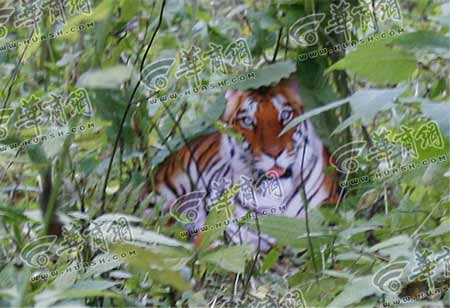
(247, 121)
(286, 115)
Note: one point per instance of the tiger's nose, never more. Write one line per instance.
(273, 151)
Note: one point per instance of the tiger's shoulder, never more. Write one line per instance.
(199, 151)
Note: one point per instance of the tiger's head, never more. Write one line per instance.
(260, 116)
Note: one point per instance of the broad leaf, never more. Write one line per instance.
(354, 292)
(379, 64)
(229, 258)
(109, 78)
(443, 228)
(268, 75)
(365, 104)
(424, 41)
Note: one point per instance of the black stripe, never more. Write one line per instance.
(301, 183)
(205, 152)
(308, 199)
(317, 190)
(320, 178)
(226, 170)
(213, 177)
(227, 173)
(241, 112)
(213, 164)
(209, 161)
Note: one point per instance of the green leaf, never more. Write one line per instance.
(97, 285)
(443, 228)
(12, 215)
(365, 104)
(433, 110)
(129, 9)
(216, 219)
(37, 155)
(97, 268)
(50, 297)
(174, 279)
(424, 41)
(439, 113)
(109, 78)
(398, 246)
(268, 75)
(271, 259)
(354, 292)
(86, 288)
(225, 129)
(229, 258)
(290, 231)
(314, 112)
(348, 233)
(162, 263)
(152, 238)
(379, 64)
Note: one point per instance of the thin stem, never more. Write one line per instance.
(191, 153)
(122, 123)
(280, 33)
(252, 268)
(305, 201)
(287, 44)
(12, 80)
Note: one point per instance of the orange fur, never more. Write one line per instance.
(264, 138)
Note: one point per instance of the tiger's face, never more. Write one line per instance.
(260, 116)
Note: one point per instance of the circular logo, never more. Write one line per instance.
(3, 32)
(3, 133)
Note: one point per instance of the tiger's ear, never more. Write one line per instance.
(290, 88)
(232, 103)
(292, 84)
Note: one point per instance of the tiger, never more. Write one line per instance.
(257, 152)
